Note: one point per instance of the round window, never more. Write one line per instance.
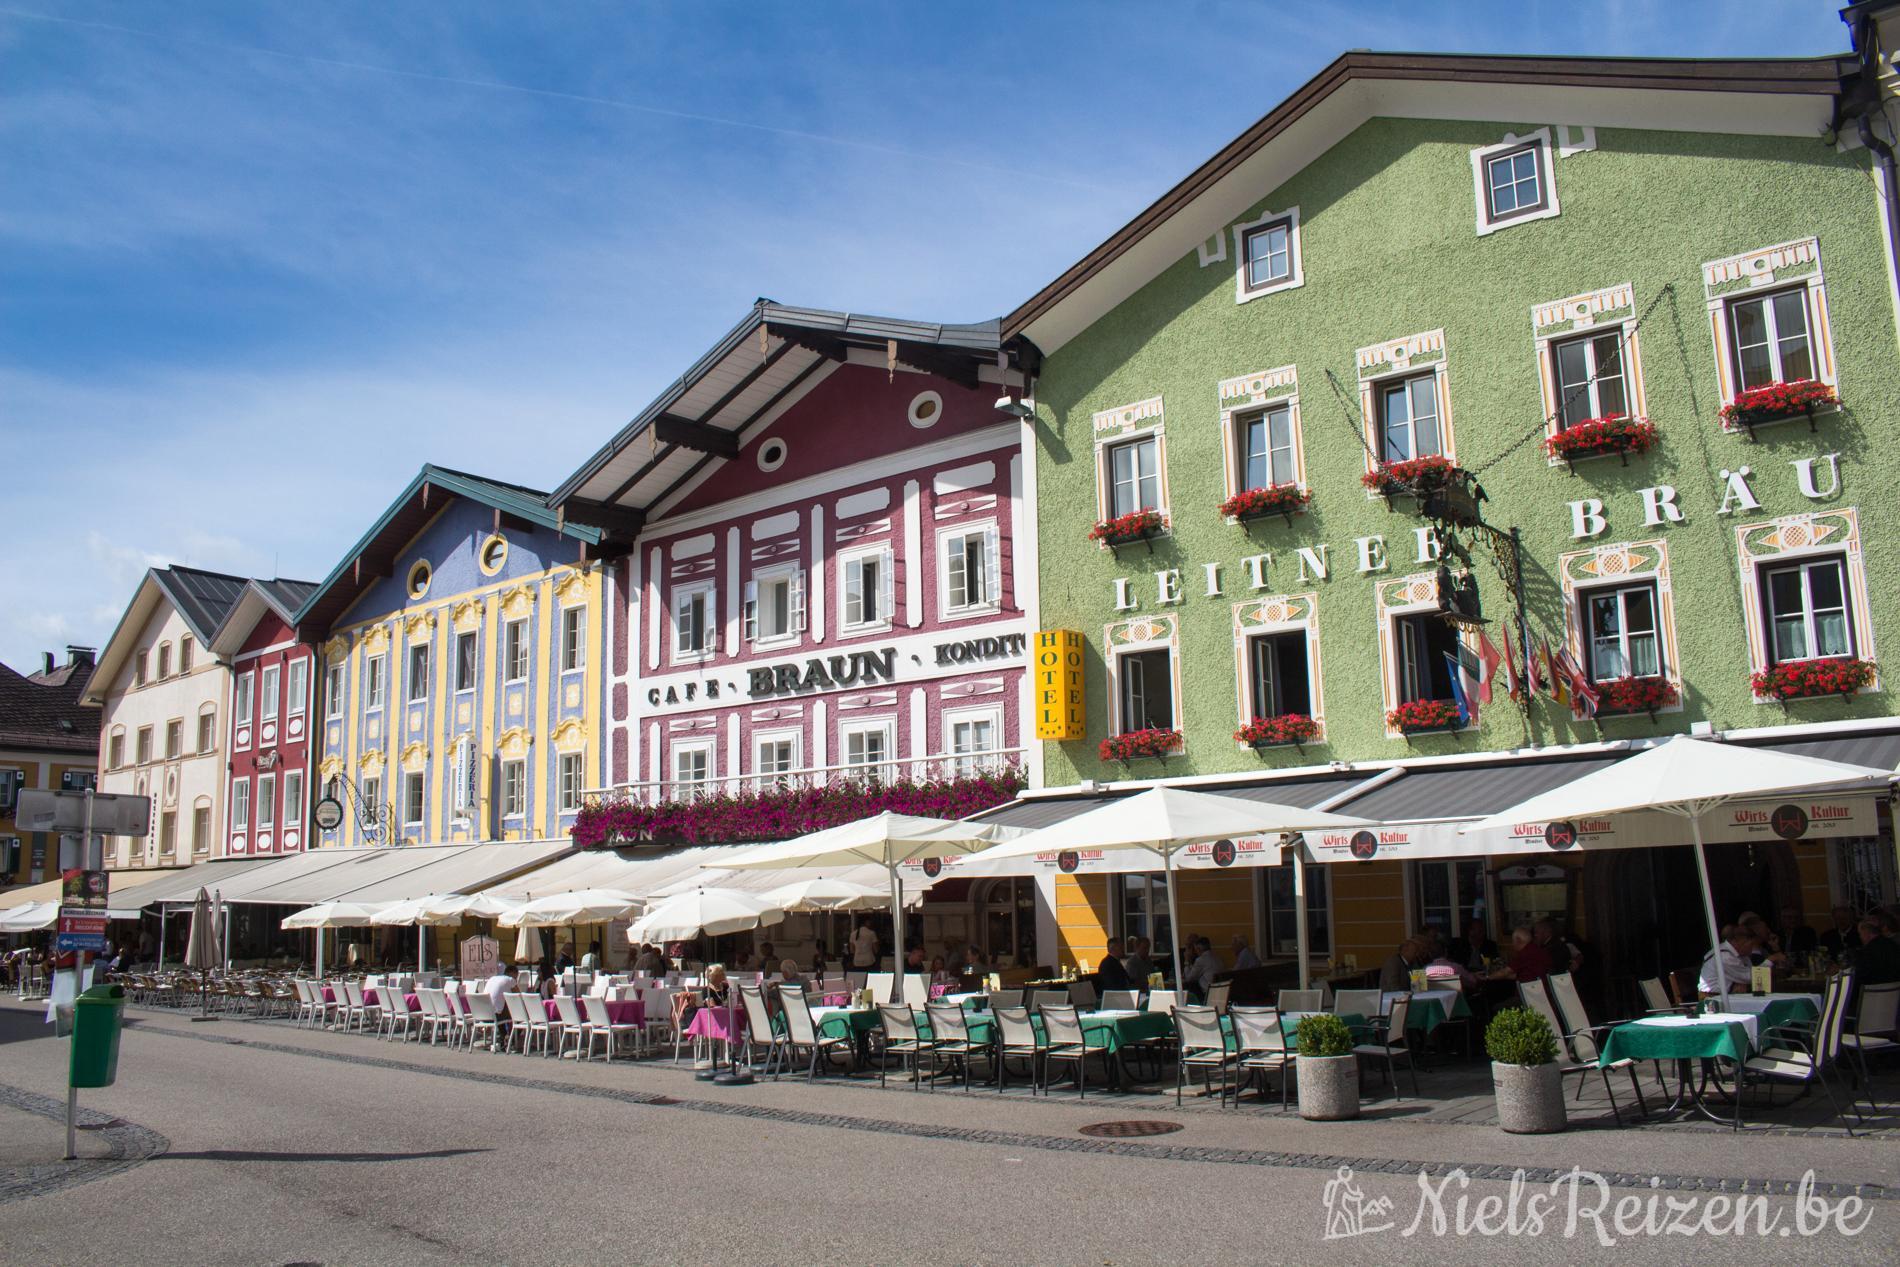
(494, 553)
(925, 410)
(419, 579)
(772, 454)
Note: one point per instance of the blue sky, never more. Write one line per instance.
(259, 261)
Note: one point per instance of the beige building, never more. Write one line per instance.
(48, 739)
(165, 700)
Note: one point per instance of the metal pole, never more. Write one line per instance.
(164, 912)
(79, 978)
(897, 933)
(1174, 925)
(1708, 909)
(1300, 934)
(422, 953)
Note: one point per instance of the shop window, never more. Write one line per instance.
(1446, 895)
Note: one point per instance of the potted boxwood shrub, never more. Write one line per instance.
(1328, 1072)
(1525, 1075)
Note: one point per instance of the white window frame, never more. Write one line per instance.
(427, 653)
(1805, 568)
(968, 764)
(145, 746)
(333, 690)
(200, 840)
(570, 770)
(296, 687)
(573, 639)
(373, 793)
(269, 678)
(186, 646)
(515, 646)
(879, 771)
(514, 788)
(1381, 419)
(708, 591)
(1771, 544)
(1265, 221)
(207, 728)
(693, 789)
(240, 805)
(950, 544)
(164, 660)
(792, 577)
(293, 799)
(1242, 423)
(850, 565)
(1586, 607)
(413, 779)
(375, 682)
(1110, 483)
(761, 739)
(1772, 323)
(244, 707)
(174, 729)
(1761, 273)
(1396, 600)
(472, 640)
(266, 802)
(1538, 142)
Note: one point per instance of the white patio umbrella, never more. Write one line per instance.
(825, 893)
(1686, 776)
(331, 915)
(582, 906)
(887, 839)
(709, 911)
(30, 918)
(438, 908)
(1162, 822)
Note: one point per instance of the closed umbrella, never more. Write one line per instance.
(528, 946)
(1687, 776)
(201, 945)
(709, 911)
(1163, 821)
(887, 839)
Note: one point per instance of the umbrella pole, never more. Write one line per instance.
(162, 913)
(1301, 936)
(1174, 925)
(422, 948)
(897, 932)
(1708, 908)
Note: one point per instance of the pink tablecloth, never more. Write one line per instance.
(710, 1022)
(619, 1011)
(329, 995)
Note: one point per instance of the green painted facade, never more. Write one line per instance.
(1389, 249)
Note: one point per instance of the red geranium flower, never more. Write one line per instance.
(1417, 475)
(1423, 714)
(1777, 400)
(1132, 526)
(1140, 743)
(1807, 679)
(1271, 500)
(1615, 433)
(1284, 728)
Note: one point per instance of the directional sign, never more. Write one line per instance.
(80, 929)
(113, 814)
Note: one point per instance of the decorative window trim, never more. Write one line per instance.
(1120, 425)
(1275, 614)
(1580, 572)
(887, 588)
(417, 583)
(1251, 393)
(1789, 539)
(992, 570)
(1213, 250)
(772, 453)
(1296, 276)
(1597, 312)
(709, 588)
(1546, 175)
(681, 747)
(481, 554)
(1780, 267)
(925, 411)
(1379, 363)
(1143, 633)
(578, 613)
(1406, 596)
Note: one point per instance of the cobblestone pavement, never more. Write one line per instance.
(35, 1135)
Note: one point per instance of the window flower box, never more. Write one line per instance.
(1138, 525)
(1625, 695)
(1777, 401)
(1286, 500)
(1596, 437)
(1422, 716)
(1812, 679)
(1141, 743)
(1296, 729)
(1436, 487)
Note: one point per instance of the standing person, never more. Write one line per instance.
(590, 962)
(864, 947)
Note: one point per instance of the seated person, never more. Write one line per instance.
(715, 993)
(1738, 945)
(1876, 960)
(788, 974)
(650, 962)
(1844, 937)
(1395, 977)
(1113, 973)
(940, 974)
(1444, 967)
(1202, 971)
(1475, 949)
(1797, 938)
(1244, 957)
(768, 959)
(1528, 962)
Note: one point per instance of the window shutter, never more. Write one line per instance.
(854, 592)
(751, 611)
(798, 601)
(992, 567)
(954, 569)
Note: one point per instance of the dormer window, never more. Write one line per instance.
(1514, 181)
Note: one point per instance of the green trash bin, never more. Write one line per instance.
(98, 1014)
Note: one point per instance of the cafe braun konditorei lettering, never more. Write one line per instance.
(848, 669)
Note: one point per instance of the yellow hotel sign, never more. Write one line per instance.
(1061, 712)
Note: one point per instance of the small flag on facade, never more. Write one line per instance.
(1466, 714)
(1584, 696)
(1488, 659)
(1553, 679)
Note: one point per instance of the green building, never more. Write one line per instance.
(1445, 361)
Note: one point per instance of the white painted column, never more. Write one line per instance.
(913, 554)
(734, 592)
(654, 629)
(1021, 534)
(815, 588)
(819, 745)
(653, 753)
(920, 744)
(735, 760)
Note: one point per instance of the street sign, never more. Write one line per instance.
(83, 890)
(80, 929)
(113, 814)
(329, 813)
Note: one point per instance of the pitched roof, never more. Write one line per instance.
(43, 711)
(1781, 96)
(409, 513)
(204, 599)
(278, 595)
(776, 352)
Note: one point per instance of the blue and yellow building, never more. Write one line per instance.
(460, 689)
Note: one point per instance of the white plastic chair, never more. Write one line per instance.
(881, 983)
(1367, 1003)
(571, 1025)
(530, 1021)
(481, 1019)
(1121, 1000)
(398, 1017)
(601, 1025)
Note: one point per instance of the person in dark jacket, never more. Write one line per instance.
(1475, 949)
(1113, 973)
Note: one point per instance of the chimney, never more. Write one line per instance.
(79, 655)
(46, 662)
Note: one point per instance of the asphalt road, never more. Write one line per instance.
(238, 1142)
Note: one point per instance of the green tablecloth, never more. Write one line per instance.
(1429, 1014)
(1290, 1027)
(848, 1024)
(1791, 1011)
(1642, 1041)
(1110, 1032)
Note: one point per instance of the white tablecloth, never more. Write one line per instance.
(1756, 1003)
(1747, 1020)
(1447, 999)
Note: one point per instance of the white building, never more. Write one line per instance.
(165, 699)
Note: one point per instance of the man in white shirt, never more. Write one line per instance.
(864, 948)
(1244, 957)
(1201, 972)
(496, 986)
(1736, 946)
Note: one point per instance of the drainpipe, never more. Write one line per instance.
(1865, 46)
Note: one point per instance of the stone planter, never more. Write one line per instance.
(1530, 1098)
(1329, 1088)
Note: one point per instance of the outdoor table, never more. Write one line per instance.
(1708, 1038)
(969, 1001)
(1111, 1031)
(1430, 1008)
(1777, 1010)
(855, 1023)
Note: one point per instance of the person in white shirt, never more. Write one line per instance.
(590, 961)
(864, 948)
(496, 986)
(1201, 972)
(1244, 957)
(1736, 946)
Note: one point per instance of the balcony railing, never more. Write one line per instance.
(940, 768)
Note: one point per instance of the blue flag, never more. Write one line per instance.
(1456, 670)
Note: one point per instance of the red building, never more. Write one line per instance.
(272, 710)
